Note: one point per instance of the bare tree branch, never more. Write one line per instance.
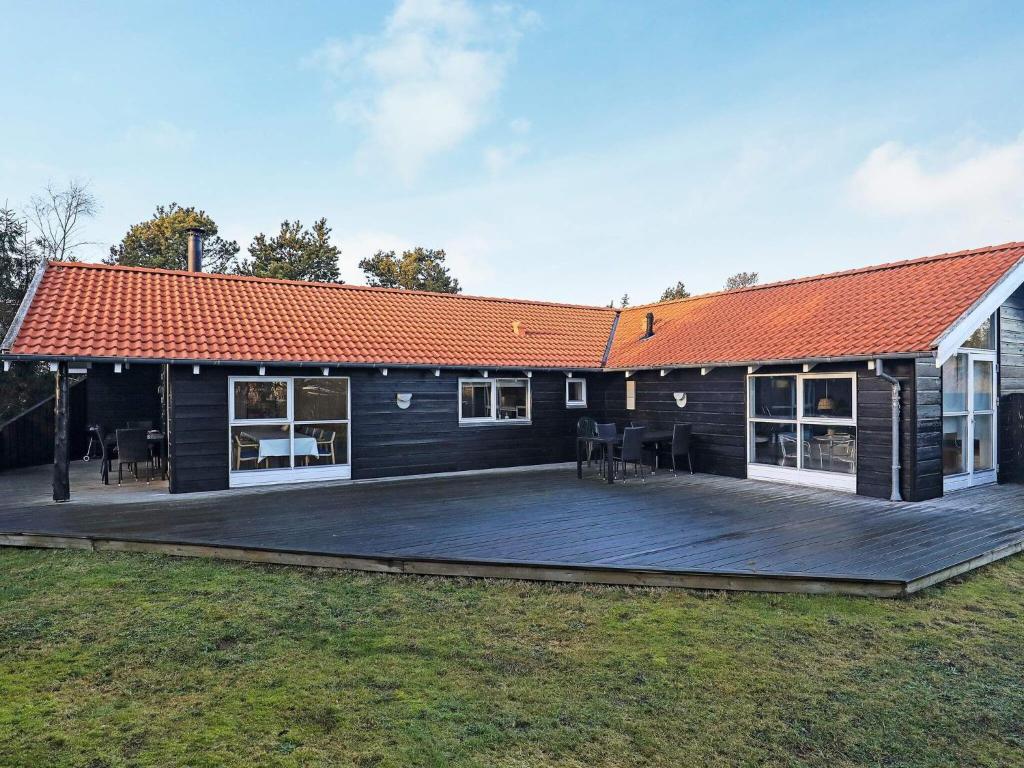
(57, 216)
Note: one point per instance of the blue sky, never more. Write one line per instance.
(570, 151)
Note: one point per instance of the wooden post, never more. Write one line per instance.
(61, 450)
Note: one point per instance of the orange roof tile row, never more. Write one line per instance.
(92, 310)
(892, 308)
(99, 311)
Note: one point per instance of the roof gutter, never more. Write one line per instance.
(295, 363)
(26, 301)
(764, 363)
(461, 367)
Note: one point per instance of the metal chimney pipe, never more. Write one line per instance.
(195, 249)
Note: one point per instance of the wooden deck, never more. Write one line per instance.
(696, 531)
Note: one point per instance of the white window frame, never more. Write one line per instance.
(493, 418)
(971, 477)
(290, 474)
(583, 390)
(630, 394)
(801, 475)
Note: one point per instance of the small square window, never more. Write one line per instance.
(576, 393)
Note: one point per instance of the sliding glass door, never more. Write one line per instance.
(288, 429)
(969, 406)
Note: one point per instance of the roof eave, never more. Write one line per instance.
(782, 361)
(26, 302)
(953, 337)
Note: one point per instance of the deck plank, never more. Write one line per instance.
(547, 519)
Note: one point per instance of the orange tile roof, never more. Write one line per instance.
(99, 311)
(93, 310)
(892, 308)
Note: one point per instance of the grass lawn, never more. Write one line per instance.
(122, 660)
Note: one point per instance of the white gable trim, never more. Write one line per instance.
(953, 338)
(26, 302)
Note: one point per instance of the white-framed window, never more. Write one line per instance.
(494, 401)
(288, 429)
(970, 410)
(803, 428)
(630, 395)
(575, 393)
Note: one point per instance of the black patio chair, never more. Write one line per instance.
(106, 449)
(587, 427)
(604, 432)
(132, 447)
(682, 445)
(632, 452)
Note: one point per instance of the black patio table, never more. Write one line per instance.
(653, 437)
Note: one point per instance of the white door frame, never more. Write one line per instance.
(972, 477)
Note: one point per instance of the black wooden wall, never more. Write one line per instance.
(927, 431)
(197, 433)
(716, 407)
(1011, 382)
(920, 431)
(27, 439)
(386, 441)
(427, 438)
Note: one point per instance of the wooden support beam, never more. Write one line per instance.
(195, 370)
(383, 371)
(326, 371)
(871, 365)
(629, 374)
(263, 370)
(808, 367)
(118, 368)
(529, 374)
(7, 365)
(437, 372)
(753, 368)
(61, 449)
(666, 371)
(705, 371)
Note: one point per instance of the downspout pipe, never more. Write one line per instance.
(896, 389)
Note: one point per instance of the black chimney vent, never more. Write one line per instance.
(195, 249)
(650, 326)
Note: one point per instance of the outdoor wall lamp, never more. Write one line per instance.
(680, 398)
(403, 400)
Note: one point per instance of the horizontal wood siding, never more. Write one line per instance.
(114, 399)
(874, 430)
(427, 437)
(1011, 386)
(198, 429)
(28, 439)
(716, 407)
(386, 441)
(926, 482)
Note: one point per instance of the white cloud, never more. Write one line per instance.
(162, 136)
(498, 159)
(427, 82)
(973, 179)
(520, 125)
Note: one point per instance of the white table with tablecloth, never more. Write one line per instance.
(282, 446)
